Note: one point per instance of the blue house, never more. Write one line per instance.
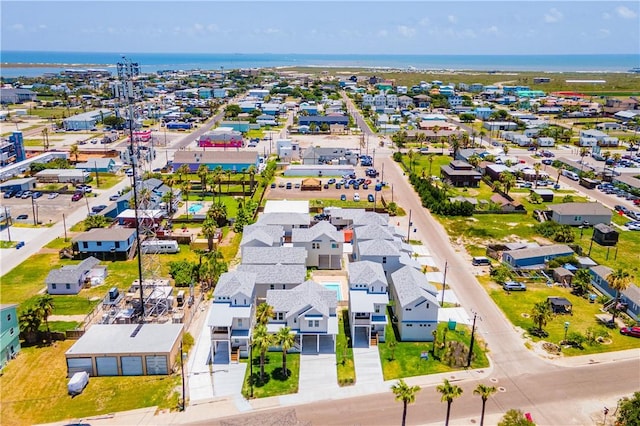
(106, 243)
(630, 298)
(101, 165)
(311, 109)
(535, 257)
(321, 119)
(483, 113)
(9, 333)
(86, 120)
(238, 126)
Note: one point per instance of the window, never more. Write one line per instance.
(334, 245)
(280, 316)
(407, 309)
(272, 286)
(85, 244)
(53, 286)
(427, 306)
(117, 244)
(68, 286)
(99, 243)
(315, 246)
(310, 323)
(8, 317)
(239, 322)
(384, 260)
(11, 331)
(409, 325)
(316, 323)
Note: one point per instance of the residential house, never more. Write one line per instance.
(261, 236)
(100, 165)
(9, 333)
(86, 120)
(505, 204)
(235, 161)
(323, 244)
(630, 298)
(231, 315)
(415, 305)
(310, 310)
(70, 279)
(288, 221)
(319, 120)
(287, 150)
(460, 174)
(16, 96)
(106, 243)
(285, 255)
(535, 257)
(601, 138)
(275, 277)
(494, 126)
(577, 214)
(368, 300)
(324, 155)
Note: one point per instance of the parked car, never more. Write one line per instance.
(321, 216)
(52, 195)
(343, 197)
(22, 217)
(356, 197)
(297, 186)
(76, 196)
(547, 161)
(36, 194)
(9, 193)
(481, 261)
(98, 208)
(331, 181)
(273, 185)
(630, 331)
(288, 186)
(370, 198)
(514, 286)
(19, 193)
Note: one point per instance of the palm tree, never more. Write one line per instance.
(541, 314)
(583, 153)
(411, 154)
(202, 173)
(218, 212)
(75, 151)
(30, 320)
(209, 227)
(183, 170)
(484, 392)
(482, 134)
(537, 167)
(406, 394)
(228, 173)
(264, 312)
(618, 280)
(45, 305)
(474, 160)
(508, 179)
(449, 393)
(560, 170)
(436, 130)
(185, 187)
(263, 340)
(252, 174)
(170, 182)
(455, 145)
(217, 176)
(286, 339)
(213, 267)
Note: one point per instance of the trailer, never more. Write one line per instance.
(160, 246)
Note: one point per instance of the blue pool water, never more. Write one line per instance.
(194, 208)
(335, 287)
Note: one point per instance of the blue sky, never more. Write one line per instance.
(331, 27)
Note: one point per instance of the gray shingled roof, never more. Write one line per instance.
(371, 218)
(234, 282)
(345, 214)
(552, 250)
(106, 234)
(602, 271)
(372, 232)
(305, 235)
(580, 209)
(284, 219)
(410, 284)
(378, 248)
(308, 294)
(366, 272)
(267, 234)
(274, 255)
(71, 273)
(276, 274)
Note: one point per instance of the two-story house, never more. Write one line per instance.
(416, 306)
(9, 334)
(70, 279)
(368, 300)
(286, 255)
(323, 244)
(261, 236)
(275, 277)
(106, 243)
(310, 311)
(230, 318)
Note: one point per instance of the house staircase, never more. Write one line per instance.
(374, 340)
(235, 355)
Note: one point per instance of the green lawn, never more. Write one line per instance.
(61, 326)
(344, 351)
(7, 244)
(42, 397)
(517, 307)
(27, 279)
(406, 361)
(274, 382)
(107, 180)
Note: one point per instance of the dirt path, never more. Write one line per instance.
(77, 318)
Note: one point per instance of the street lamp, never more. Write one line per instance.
(182, 359)
(473, 331)
(566, 328)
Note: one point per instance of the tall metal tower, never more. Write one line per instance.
(148, 262)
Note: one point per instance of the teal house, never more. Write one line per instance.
(9, 334)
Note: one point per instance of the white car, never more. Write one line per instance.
(52, 195)
(356, 197)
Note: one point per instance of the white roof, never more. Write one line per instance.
(222, 314)
(287, 206)
(117, 338)
(361, 301)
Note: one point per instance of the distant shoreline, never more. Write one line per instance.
(51, 65)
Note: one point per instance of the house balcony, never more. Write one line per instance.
(220, 333)
(378, 319)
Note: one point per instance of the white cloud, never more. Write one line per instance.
(491, 30)
(603, 33)
(17, 27)
(606, 15)
(553, 16)
(406, 31)
(424, 22)
(452, 18)
(383, 33)
(625, 12)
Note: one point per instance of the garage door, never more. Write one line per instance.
(157, 364)
(336, 262)
(107, 366)
(131, 365)
(76, 365)
(324, 260)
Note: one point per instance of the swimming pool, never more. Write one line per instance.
(195, 208)
(335, 287)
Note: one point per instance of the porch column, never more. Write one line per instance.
(229, 349)
(369, 333)
(317, 343)
(212, 351)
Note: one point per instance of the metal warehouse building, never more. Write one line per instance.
(126, 350)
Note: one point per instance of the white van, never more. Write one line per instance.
(571, 175)
(160, 246)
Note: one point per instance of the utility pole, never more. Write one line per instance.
(182, 407)
(409, 227)
(6, 218)
(444, 281)
(473, 331)
(64, 224)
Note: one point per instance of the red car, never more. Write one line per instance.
(630, 331)
(76, 196)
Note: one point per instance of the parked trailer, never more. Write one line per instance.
(160, 246)
(571, 175)
(589, 183)
(178, 125)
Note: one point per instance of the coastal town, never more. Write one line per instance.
(315, 245)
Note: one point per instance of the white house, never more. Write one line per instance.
(285, 255)
(310, 311)
(70, 278)
(368, 300)
(323, 244)
(416, 306)
(261, 236)
(275, 277)
(230, 317)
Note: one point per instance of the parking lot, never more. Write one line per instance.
(47, 210)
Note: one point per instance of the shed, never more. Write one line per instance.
(563, 276)
(605, 235)
(311, 184)
(545, 194)
(560, 305)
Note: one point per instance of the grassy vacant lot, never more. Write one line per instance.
(344, 352)
(274, 382)
(35, 385)
(517, 307)
(107, 180)
(406, 360)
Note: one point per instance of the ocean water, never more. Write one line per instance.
(151, 62)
